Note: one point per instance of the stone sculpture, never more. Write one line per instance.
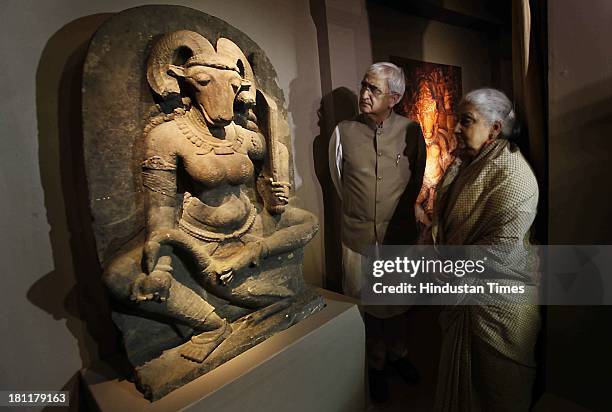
(216, 263)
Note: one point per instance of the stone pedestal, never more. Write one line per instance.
(316, 365)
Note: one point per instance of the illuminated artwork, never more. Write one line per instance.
(432, 94)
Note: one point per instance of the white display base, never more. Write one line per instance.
(316, 365)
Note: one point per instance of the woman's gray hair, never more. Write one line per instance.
(393, 74)
(495, 106)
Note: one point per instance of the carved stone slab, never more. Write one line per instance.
(117, 101)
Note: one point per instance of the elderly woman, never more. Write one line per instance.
(488, 197)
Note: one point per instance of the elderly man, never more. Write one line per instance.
(377, 161)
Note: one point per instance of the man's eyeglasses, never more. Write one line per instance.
(374, 91)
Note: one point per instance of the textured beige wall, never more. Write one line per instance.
(45, 340)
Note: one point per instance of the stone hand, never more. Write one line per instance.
(153, 247)
(280, 191)
(219, 272)
(156, 285)
(248, 256)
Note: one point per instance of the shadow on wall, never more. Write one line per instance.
(302, 104)
(73, 290)
(339, 105)
(392, 36)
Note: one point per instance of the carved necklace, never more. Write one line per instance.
(195, 129)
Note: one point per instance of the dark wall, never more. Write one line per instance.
(579, 339)
(426, 31)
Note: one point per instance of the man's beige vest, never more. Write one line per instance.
(382, 173)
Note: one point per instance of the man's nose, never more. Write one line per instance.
(457, 127)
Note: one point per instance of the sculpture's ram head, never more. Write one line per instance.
(215, 78)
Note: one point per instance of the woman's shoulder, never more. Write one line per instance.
(512, 169)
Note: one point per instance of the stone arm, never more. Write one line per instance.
(139, 273)
(159, 179)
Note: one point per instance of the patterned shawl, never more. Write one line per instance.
(490, 201)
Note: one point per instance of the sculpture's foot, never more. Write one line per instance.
(172, 370)
(203, 344)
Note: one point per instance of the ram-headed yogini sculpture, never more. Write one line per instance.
(216, 262)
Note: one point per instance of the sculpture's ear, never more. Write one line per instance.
(228, 48)
(161, 72)
(176, 71)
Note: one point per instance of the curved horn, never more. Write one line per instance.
(164, 54)
(229, 49)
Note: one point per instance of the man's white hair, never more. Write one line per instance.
(394, 75)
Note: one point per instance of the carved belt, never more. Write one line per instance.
(199, 230)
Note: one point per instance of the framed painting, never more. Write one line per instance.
(432, 94)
